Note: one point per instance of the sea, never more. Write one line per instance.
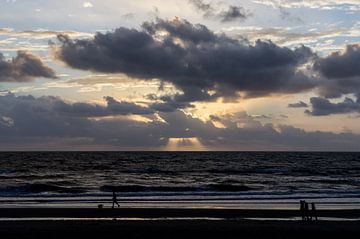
(255, 180)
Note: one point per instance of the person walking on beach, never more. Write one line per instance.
(302, 209)
(313, 211)
(114, 200)
(306, 210)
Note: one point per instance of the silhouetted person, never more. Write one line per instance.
(306, 209)
(302, 210)
(114, 200)
(313, 211)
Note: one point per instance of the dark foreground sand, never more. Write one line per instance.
(231, 227)
(178, 229)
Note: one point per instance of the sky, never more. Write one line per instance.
(262, 75)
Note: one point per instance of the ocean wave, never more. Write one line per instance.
(39, 188)
(205, 188)
(248, 171)
(151, 171)
(7, 170)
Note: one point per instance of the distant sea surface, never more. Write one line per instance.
(180, 179)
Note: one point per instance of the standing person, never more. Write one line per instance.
(313, 211)
(114, 200)
(306, 209)
(302, 209)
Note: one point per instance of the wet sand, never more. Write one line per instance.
(167, 212)
(232, 224)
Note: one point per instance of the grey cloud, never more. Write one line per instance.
(6, 121)
(128, 16)
(201, 5)
(300, 104)
(261, 116)
(52, 117)
(346, 5)
(322, 107)
(22, 68)
(202, 62)
(169, 103)
(232, 121)
(112, 108)
(341, 72)
(287, 36)
(33, 123)
(341, 65)
(170, 106)
(229, 14)
(233, 13)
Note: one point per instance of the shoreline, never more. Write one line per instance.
(202, 203)
(168, 213)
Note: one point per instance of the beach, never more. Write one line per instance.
(173, 223)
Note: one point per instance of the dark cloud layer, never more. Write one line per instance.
(229, 14)
(49, 105)
(22, 68)
(322, 107)
(300, 104)
(113, 107)
(197, 61)
(39, 124)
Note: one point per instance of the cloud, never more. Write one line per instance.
(112, 108)
(200, 63)
(289, 37)
(347, 5)
(6, 121)
(88, 5)
(22, 68)
(228, 14)
(300, 104)
(322, 107)
(33, 123)
(40, 33)
(233, 13)
(341, 77)
(201, 5)
(170, 105)
(55, 105)
(341, 65)
(128, 16)
(238, 120)
(41, 121)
